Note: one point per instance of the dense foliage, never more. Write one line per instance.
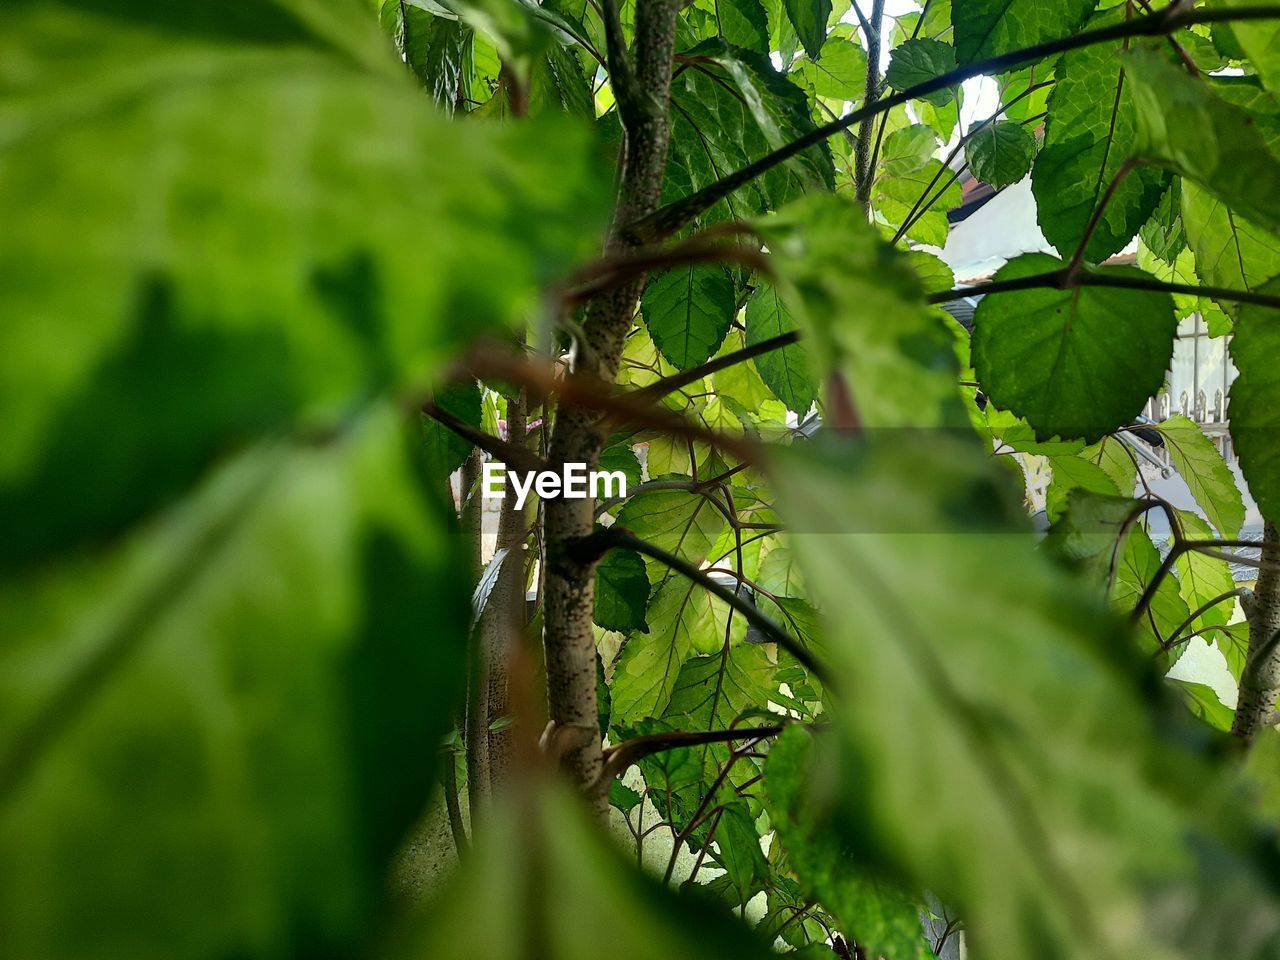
(276, 278)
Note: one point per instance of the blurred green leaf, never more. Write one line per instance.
(547, 883)
(215, 733)
(1204, 137)
(1231, 251)
(862, 308)
(1078, 362)
(962, 759)
(248, 233)
(879, 918)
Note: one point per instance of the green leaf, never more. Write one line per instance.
(1206, 474)
(712, 692)
(863, 311)
(679, 521)
(1231, 251)
(785, 372)
(622, 592)
(809, 18)
(434, 48)
(906, 150)
(1254, 410)
(648, 668)
(623, 797)
(841, 72)
(688, 311)
(1204, 703)
(1000, 154)
(743, 23)
(445, 450)
(619, 456)
(216, 731)
(739, 853)
(988, 28)
(971, 696)
(1078, 362)
(1202, 578)
(1163, 233)
(1071, 473)
(1090, 131)
(1138, 567)
(239, 256)
(883, 921)
(1088, 531)
(539, 854)
(918, 61)
(1259, 42)
(1204, 137)
(730, 109)
(898, 197)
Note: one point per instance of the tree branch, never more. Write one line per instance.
(618, 758)
(509, 453)
(600, 542)
(674, 216)
(863, 173)
(677, 381)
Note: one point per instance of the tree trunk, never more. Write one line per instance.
(503, 622)
(1260, 681)
(864, 173)
(569, 636)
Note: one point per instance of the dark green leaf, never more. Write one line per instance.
(445, 450)
(730, 109)
(622, 592)
(1254, 410)
(688, 311)
(434, 47)
(739, 853)
(1139, 564)
(809, 18)
(1090, 131)
(988, 28)
(1000, 154)
(921, 60)
(623, 797)
(1075, 363)
(786, 371)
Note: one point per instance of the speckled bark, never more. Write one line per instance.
(569, 638)
(1260, 681)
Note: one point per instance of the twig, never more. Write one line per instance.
(672, 217)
